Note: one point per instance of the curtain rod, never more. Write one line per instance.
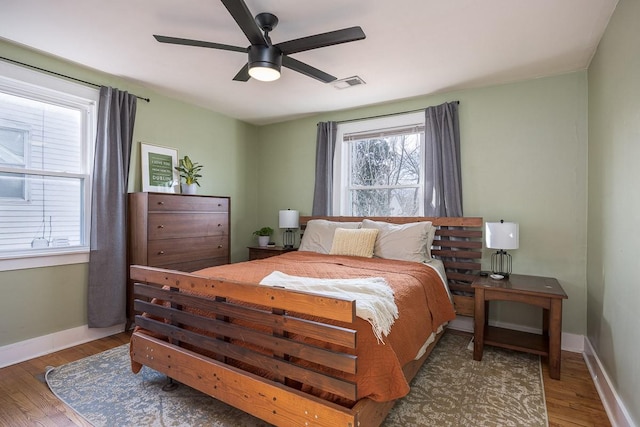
(386, 115)
(64, 75)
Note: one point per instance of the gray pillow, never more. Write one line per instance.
(318, 235)
(407, 242)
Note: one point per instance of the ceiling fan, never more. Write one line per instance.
(265, 58)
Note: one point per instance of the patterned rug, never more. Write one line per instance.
(451, 389)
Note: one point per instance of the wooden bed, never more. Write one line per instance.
(211, 353)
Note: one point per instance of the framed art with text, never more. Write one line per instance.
(158, 168)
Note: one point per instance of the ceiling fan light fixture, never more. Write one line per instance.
(264, 73)
(265, 63)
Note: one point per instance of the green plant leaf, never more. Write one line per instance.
(189, 171)
(264, 231)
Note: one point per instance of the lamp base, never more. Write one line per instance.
(501, 263)
(499, 275)
(288, 239)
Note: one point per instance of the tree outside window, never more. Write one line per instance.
(379, 167)
(385, 176)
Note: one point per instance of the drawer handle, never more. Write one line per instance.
(161, 226)
(220, 246)
(160, 252)
(161, 203)
(219, 204)
(219, 225)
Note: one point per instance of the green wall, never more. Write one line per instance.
(613, 317)
(524, 155)
(42, 301)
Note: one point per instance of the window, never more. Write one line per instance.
(47, 126)
(13, 152)
(379, 167)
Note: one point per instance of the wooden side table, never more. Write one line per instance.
(260, 252)
(544, 292)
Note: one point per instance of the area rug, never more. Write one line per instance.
(451, 389)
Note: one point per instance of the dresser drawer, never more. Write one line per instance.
(168, 202)
(172, 251)
(183, 224)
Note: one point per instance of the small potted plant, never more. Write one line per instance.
(190, 172)
(263, 235)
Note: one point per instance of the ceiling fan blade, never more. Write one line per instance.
(307, 70)
(321, 40)
(199, 43)
(243, 74)
(243, 17)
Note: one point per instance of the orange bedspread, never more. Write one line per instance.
(422, 301)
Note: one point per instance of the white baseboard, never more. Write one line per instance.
(39, 346)
(570, 342)
(462, 323)
(615, 408)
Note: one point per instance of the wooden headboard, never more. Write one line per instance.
(458, 243)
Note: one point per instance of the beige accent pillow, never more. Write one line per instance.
(318, 235)
(358, 242)
(407, 242)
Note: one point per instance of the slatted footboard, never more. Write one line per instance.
(204, 352)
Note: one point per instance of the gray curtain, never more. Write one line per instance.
(325, 150)
(443, 182)
(108, 255)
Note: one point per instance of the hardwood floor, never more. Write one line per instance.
(25, 399)
(573, 400)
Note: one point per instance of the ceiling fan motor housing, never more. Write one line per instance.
(265, 56)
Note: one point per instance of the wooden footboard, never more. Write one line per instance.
(259, 327)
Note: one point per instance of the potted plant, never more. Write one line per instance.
(263, 235)
(190, 172)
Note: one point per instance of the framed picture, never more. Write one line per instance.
(158, 173)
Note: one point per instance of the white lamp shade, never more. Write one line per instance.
(502, 235)
(289, 219)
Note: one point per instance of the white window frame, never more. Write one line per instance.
(24, 82)
(341, 166)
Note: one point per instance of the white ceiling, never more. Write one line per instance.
(412, 48)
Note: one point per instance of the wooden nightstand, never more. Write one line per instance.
(260, 252)
(544, 292)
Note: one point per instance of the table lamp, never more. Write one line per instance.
(501, 236)
(289, 220)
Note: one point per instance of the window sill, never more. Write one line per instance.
(36, 260)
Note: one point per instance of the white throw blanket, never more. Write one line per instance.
(373, 296)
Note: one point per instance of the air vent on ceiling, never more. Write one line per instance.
(348, 82)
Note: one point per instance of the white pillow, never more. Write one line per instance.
(407, 242)
(430, 237)
(358, 242)
(318, 235)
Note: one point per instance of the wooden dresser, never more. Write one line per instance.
(177, 232)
